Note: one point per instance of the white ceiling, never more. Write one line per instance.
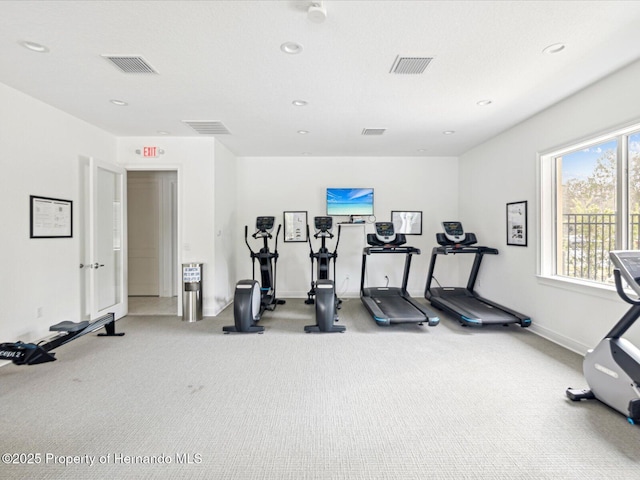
(221, 61)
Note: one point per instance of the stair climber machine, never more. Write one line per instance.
(389, 305)
(465, 304)
(323, 292)
(612, 368)
(251, 298)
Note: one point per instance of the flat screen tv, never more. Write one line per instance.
(349, 201)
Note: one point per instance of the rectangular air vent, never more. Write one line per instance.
(130, 63)
(410, 65)
(207, 127)
(373, 131)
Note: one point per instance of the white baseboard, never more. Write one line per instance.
(559, 339)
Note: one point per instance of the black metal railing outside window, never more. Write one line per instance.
(587, 239)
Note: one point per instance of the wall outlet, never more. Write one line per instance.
(39, 312)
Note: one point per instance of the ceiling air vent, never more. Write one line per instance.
(208, 127)
(373, 131)
(410, 65)
(130, 63)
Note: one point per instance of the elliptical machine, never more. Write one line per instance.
(612, 368)
(251, 298)
(322, 291)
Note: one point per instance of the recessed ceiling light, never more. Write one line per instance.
(448, 132)
(555, 48)
(291, 48)
(119, 103)
(306, 153)
(303, 132)
(299, 103)
(421, 150)
(484, 103)
(163, 132)
(35, 47)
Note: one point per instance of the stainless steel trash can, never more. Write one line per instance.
(192, 292)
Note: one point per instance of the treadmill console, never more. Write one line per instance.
(628, 262)
(453, 231)
(323, 224)
(265, 224)
(385, 232)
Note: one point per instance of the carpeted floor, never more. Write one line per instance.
(183, 400)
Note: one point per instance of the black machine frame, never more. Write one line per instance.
(322, 291)
(612, 368)
(467, 306)
(388, 305)
(21, 353)
(251, 298)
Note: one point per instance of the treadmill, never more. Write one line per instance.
(389, 305)
(465, 304)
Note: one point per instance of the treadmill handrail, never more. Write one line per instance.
(445, 250)
(403, 249)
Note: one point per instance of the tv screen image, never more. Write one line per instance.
(349, 201)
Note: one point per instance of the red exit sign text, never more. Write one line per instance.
(150, 152)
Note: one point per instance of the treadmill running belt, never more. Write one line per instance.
(399, 310)
(477, 309)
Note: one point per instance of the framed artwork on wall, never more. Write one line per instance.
(50, 217)
(295, 226)
(517, 224)
(407, 222)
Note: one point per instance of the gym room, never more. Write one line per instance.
(518, 119)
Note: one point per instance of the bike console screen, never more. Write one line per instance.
(628, 262)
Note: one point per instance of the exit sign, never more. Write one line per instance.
(150, 152)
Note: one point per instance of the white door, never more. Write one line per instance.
(104, 253)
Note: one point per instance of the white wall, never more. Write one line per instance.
(40, 148)
(504, 170)
(227, 241)
(194, 160)
(272, 185)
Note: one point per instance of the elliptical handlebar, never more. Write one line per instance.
(322, 234)
(262, 234)
(335, 250)
(246, 239)
(275, 249)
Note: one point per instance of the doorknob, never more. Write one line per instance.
(96, 265)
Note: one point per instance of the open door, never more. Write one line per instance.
(103, 257)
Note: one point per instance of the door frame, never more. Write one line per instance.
(89, 192)
(178, 260)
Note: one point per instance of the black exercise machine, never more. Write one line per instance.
(323, 292)
(389, 305)
(21, 353)
(464, 303)
(251, 298)
(612, 368)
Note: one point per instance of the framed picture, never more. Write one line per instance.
(517, 224)
(295, 226)
(407, 222)
(50, 217)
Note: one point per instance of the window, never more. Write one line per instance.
(590, 205)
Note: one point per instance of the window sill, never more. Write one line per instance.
(580, 286)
